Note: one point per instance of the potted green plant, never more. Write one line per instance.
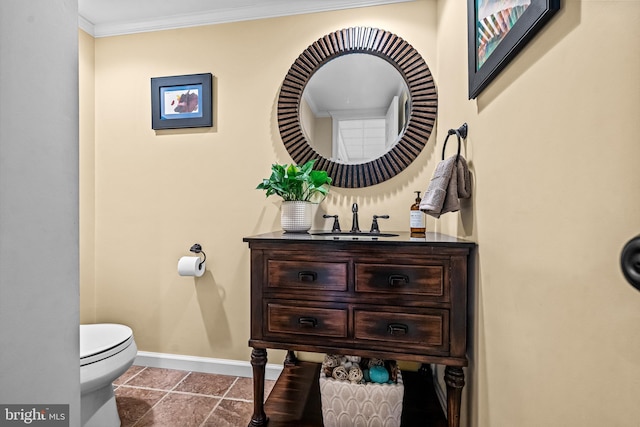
(299, 187)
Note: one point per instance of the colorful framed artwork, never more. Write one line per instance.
(181, 101)
(498, 30)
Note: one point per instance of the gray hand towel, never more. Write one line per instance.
(451, 201)
(459, 187)
(464, 179)
(434, 197)
(450, 182)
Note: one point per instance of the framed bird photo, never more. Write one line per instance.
(181, 101)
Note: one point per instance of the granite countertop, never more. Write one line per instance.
(398, 237)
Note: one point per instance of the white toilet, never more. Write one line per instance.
(106, 352)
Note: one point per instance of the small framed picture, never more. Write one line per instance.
(181, 101)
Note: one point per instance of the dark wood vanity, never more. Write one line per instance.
(398, 298)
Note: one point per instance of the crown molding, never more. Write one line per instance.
(224, 16)
(86, 26)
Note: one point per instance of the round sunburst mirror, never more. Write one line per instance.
(362, 102)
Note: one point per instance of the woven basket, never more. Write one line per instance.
(345, 404)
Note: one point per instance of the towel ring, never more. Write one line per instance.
(461, 132)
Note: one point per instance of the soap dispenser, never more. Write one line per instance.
(417, 223)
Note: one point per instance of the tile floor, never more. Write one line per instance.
(171, 398)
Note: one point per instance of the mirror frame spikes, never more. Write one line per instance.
(422, 94)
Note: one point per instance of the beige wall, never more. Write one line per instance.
(157, 193)
(323, 136)
(551, 146)
(554, 151)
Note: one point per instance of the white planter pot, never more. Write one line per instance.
(295, 217)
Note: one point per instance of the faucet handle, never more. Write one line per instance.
(336, 224)
(374, 224)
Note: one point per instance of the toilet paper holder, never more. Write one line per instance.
(197, 249)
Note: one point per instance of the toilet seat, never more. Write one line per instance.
(101, 341)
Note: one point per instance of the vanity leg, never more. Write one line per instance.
(258, 363)
(454, 378)
(291, 359)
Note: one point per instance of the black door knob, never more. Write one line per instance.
(630, 262)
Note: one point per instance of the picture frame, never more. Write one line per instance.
(181, 101)
(496, 34)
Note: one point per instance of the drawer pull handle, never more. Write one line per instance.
(307, 276)
(398, 280)
(397, 329)
(307, 322)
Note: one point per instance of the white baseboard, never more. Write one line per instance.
(203, 364)
(439, 386)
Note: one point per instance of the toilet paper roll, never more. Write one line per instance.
(190, 266)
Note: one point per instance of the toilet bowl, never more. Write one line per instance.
(106, 351)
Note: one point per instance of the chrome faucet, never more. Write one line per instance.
(355, 228)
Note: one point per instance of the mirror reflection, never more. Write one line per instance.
(354, 164)
(355, 108)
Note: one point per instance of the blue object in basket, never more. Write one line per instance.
(378, 374)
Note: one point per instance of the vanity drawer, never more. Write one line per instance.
(427, 329)
(312, 275)
(316, 321)
(419, 280)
